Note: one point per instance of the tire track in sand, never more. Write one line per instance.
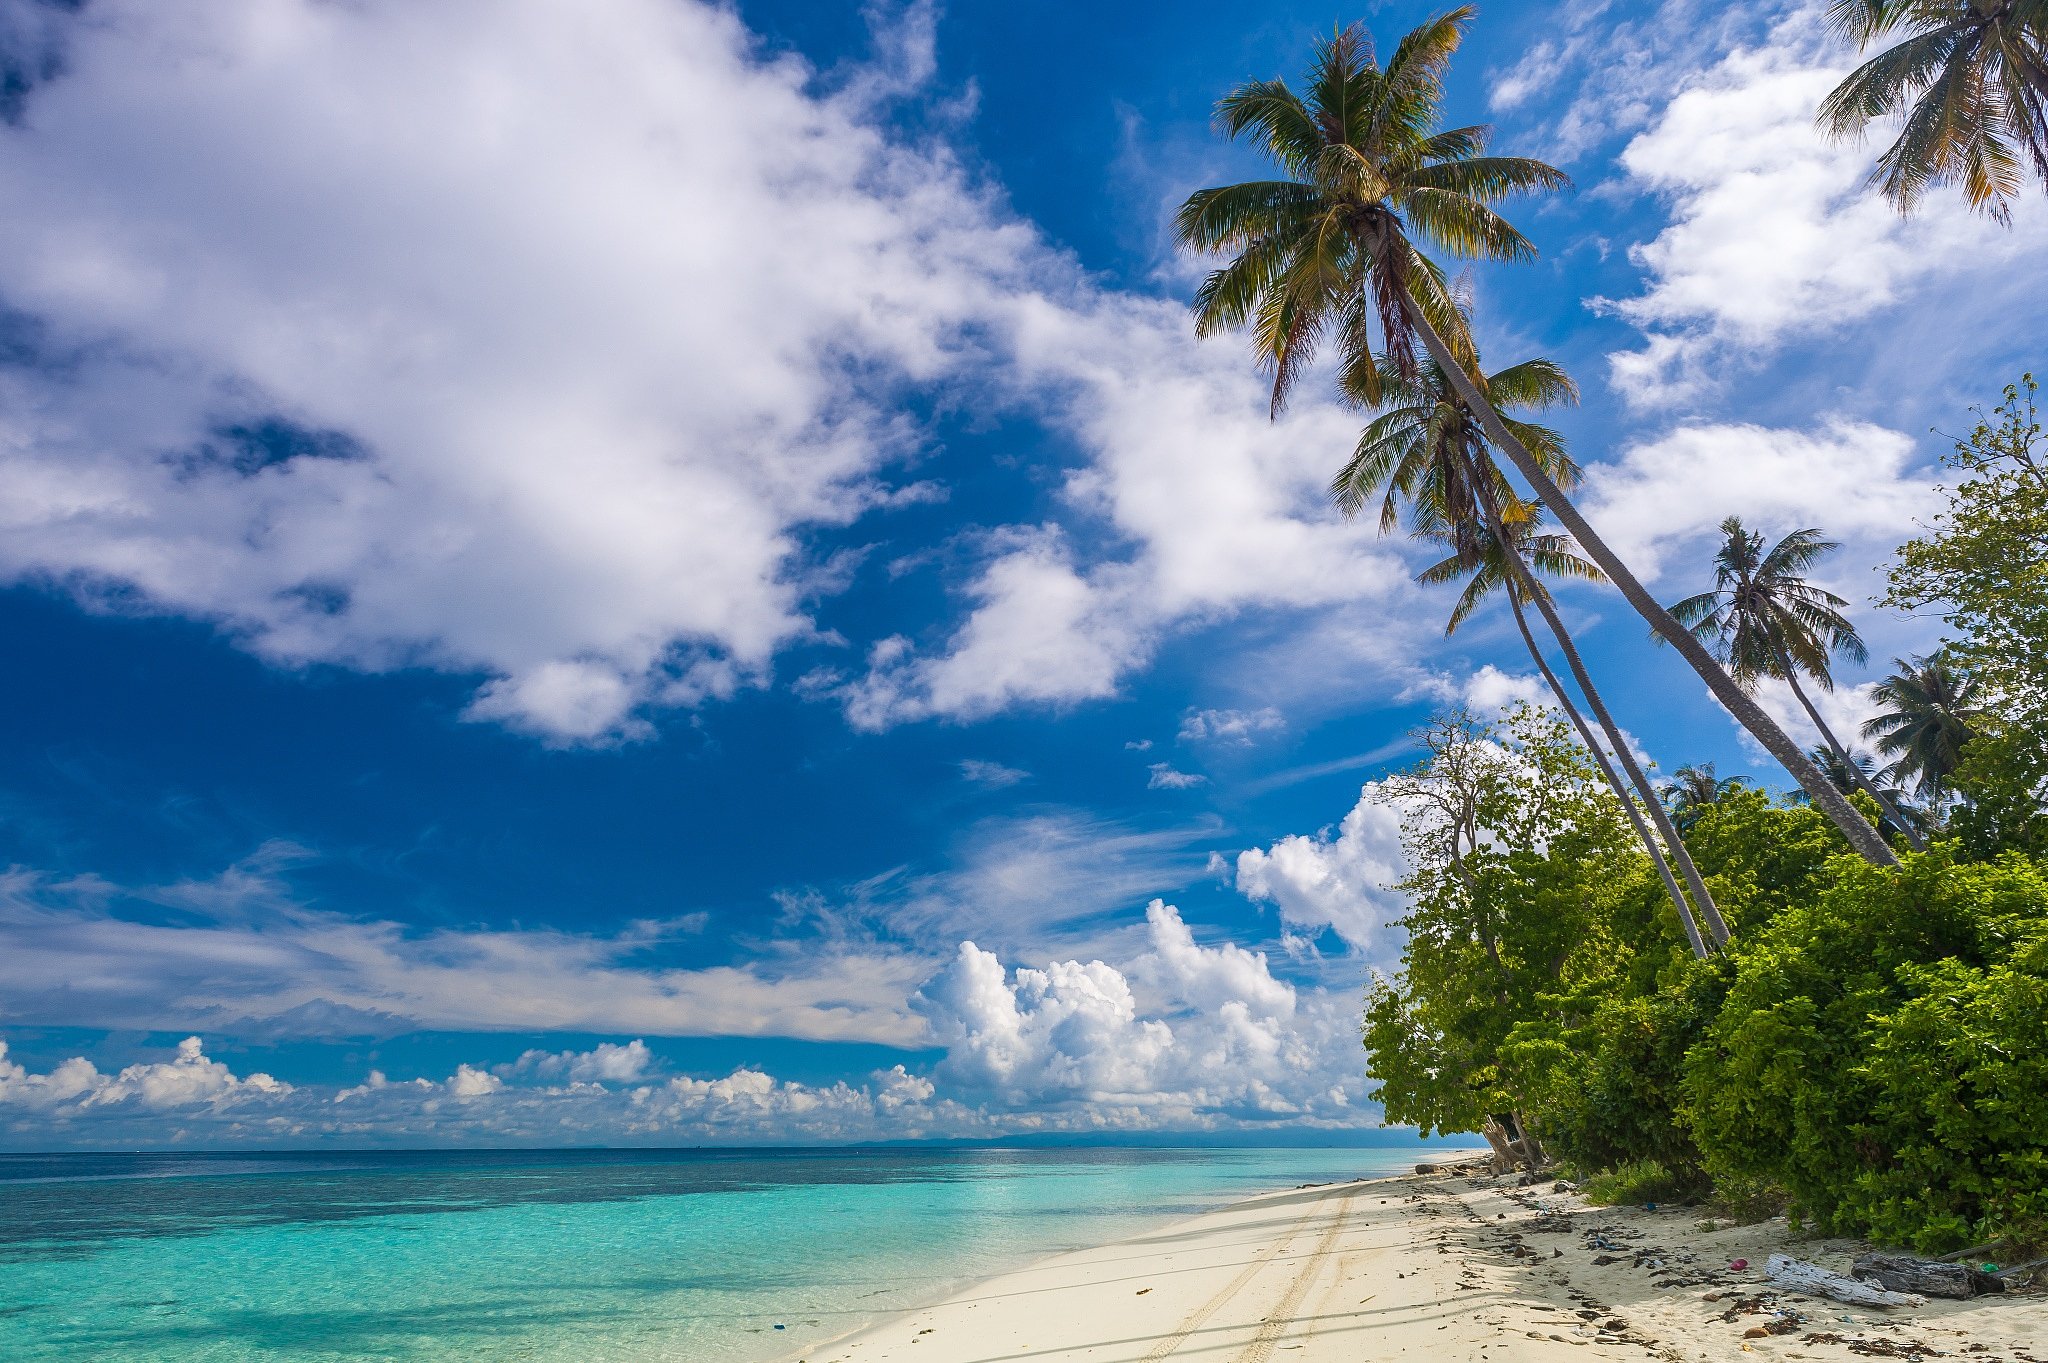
(1196, 1318)
(1282, 1314)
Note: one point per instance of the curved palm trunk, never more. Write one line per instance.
(1600, 758)
(1523, 580)
(1913, 839)
(1857, 829)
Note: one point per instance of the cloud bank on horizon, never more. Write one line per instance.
(591, 356)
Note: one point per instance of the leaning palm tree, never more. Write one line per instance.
(1930, 712)
(1971, 78)
(1765, 620)
(1692, 790)
(1483, 562)
(1428, 449)
(1324, 255)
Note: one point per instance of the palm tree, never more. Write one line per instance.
(1854, 770)
(1429, 450)
(1971, 77)
(1483, 559)
(1930, 713)
(1691, 790)
(1324, 254)
(1764, 619)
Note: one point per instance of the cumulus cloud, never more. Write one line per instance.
(587, 1096)
(188, 1080)
(1229, 726)
(1773, 233)
(1336, 878)
(1182, 1035)
(608, 1062)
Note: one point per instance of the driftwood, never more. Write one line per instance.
(1930, 1277)
(1796, 1275)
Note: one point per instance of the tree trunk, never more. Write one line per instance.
(1635, 816)
(1521, 579)
(1857, 829)
(1913, 839)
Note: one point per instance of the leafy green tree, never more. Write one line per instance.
(1525, 879)
(1982, 567)
(1970, 78)
(1763, 618)
(1325, 255)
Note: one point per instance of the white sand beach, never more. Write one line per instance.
(1453, 1265)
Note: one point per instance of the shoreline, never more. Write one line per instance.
(1444, 1265)
(961, 1289)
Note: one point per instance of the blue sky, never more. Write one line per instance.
(564, 562)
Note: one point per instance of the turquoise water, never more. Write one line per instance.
(557, 1256)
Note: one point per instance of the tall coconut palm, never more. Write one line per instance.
(1765, 620)
(1325, 254)
(1483, 562)
(1971, 78)
(1692, 790)
(1428, 449)
(1930, 712)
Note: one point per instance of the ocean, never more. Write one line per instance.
(611, 1256)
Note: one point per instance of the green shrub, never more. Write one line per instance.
(1879, 1052)
(1643, 1181)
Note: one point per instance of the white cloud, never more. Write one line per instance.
(1164, 777)
(1229, 726)
(557, 426)
(608, 1062)
(1844, 709)
(243, 952)
(187, 1080)
(1855, 480)
(568, 420)
(1221, 512)
(984, 773)
(1183, 1035)
(1490, 690)
(1335, 878)
(1774, 234)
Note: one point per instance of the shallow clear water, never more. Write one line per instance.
(557, 1256)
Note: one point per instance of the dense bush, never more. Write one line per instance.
(1880, 1053)
(1604, 1090)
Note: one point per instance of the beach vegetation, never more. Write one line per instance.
(1832, 1000)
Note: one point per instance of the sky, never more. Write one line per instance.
(654, 573)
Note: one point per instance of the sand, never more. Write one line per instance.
(1458, 1265)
